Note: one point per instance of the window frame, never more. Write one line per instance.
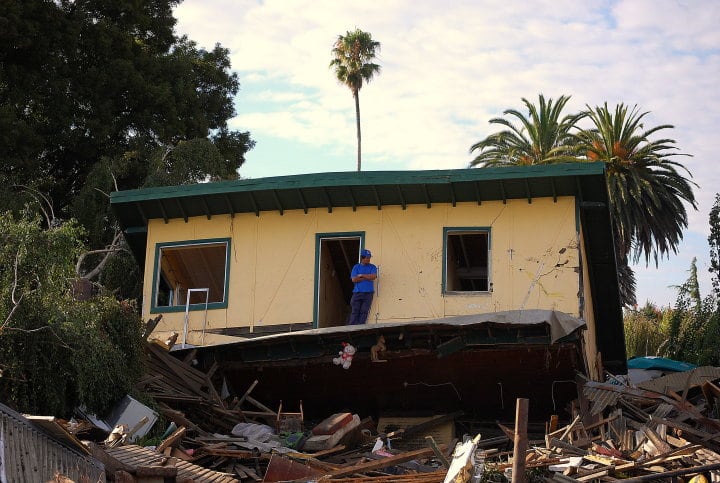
(154, 308)
(450, 230)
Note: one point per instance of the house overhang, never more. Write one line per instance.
(134, 208)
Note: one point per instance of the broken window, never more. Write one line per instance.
(198, 268)
(467, 259)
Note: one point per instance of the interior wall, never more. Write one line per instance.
(333, 310)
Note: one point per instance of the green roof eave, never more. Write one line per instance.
(363, 178)
(350, 189)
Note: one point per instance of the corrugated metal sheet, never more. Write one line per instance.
(135, 456)
(680, 380)
(600, 398)
(29, 455)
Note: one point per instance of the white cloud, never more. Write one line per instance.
(449, 67)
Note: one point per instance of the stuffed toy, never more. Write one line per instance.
(378, 349)
(346, 356)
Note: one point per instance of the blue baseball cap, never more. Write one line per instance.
(365, 253)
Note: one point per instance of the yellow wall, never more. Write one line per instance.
(534, 261)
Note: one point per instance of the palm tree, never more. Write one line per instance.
(646, 185)
(353, 55)
(540, 138)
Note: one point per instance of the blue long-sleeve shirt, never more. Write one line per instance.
(363, 285)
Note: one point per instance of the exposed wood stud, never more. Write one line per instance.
(521, 440)
(427, 196)
(477, 193)
(527, 191)
(182, 209)
(253, 203)
(352, 198)
(377, 198)
(142, 213)
(402, 198)
(278, 203)
(164, 212)
(230, 206)
(302, 201)
(207, 208)
(327, 199)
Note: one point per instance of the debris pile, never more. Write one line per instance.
(633, 434)
(665, 428)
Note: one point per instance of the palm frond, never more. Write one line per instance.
(538, 137)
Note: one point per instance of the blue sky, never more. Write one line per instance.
(450, 67)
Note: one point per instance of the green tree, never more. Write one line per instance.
(714, 242)
(93, 93)
(644, 330)
(353, 56)
(694, 329)
(541, 137)
(56, 352)
(690, 330)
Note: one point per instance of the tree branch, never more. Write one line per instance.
(40, 198)
(109, 251)
(13, 290)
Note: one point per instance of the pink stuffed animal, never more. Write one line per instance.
(346, 356)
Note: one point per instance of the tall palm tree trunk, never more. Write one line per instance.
(357, 123)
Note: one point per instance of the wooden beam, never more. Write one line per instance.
(521, 440)
(383, 463)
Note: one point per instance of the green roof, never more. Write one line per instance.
(134, 208)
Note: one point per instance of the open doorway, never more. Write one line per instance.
(336, 255)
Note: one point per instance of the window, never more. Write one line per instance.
(198, 267)
(467, 260)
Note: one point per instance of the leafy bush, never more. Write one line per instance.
(57, 352)
(644, 332)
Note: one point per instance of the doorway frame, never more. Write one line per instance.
(318, 240)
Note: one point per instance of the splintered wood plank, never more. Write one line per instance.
(259, 405)
(249, 472)
(383, 463)
(232, 453)
(191, 376)
(432, 477)
(173, 439)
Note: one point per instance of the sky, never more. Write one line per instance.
(450, 67)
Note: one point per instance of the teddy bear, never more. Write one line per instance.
(346, 356)
(378, 349)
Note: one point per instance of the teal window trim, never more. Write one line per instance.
(448, 230)
(316, 281)
(155, 309)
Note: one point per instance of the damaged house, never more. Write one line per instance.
(493, 284)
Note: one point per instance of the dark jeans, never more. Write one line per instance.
(360, 304)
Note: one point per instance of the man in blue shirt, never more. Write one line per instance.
(363, 275)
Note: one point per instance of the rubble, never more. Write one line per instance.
(615, 432)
